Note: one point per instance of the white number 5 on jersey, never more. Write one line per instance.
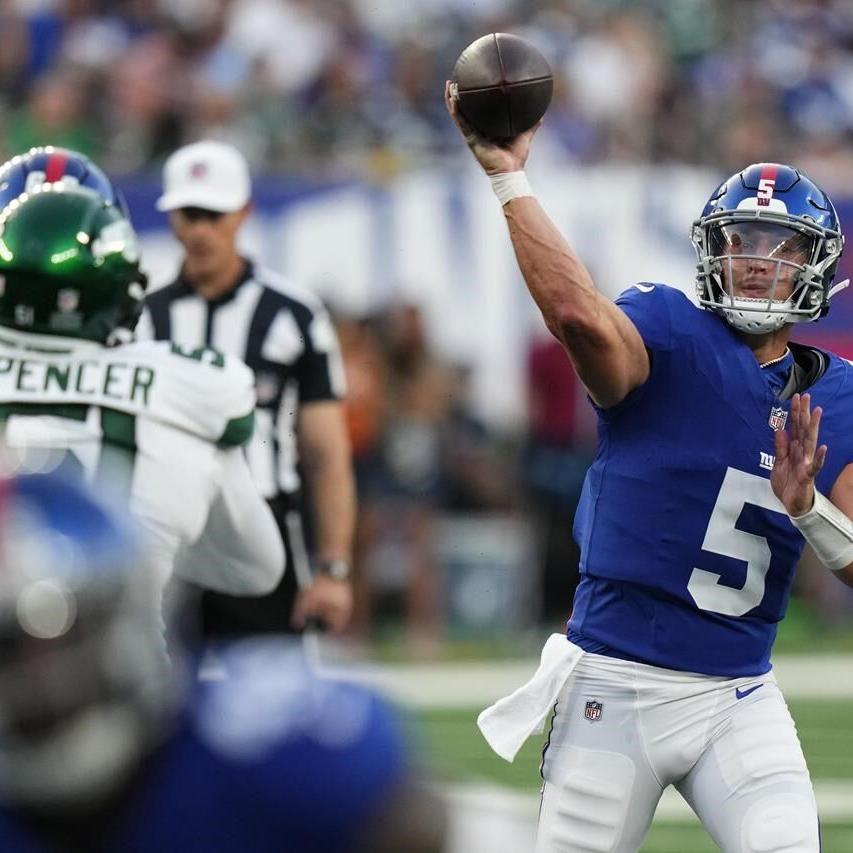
(722, 537)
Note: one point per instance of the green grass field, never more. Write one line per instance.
(459, 753)
(675, 838)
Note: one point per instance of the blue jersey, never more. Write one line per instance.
(279, 762)
(687, 555)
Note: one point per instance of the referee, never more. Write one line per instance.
(221, 300)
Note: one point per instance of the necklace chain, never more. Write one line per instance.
(775, 360)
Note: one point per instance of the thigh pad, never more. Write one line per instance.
(585, 808)
(780, 823)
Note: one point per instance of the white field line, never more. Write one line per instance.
(477, 684)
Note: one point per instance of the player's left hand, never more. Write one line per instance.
(798, 457)
(327, 600)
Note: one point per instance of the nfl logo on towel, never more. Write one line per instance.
(778, 416)
(593, 710)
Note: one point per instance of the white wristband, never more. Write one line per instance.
(510, 185)
(829, 531)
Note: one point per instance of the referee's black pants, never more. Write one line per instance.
(225, 615)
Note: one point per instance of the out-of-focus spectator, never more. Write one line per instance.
(296, 39)
(402, 488)
(479, 466)
(366, 374)
(554, 463)
(53, 114)
(14, 56)
(618, 71)
(419, 453)
(699, 81)
(144, 114)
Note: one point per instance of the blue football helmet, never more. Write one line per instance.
(772, 218)
(48, 164)
(83, 666)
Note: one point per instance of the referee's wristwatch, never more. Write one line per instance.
(338, 569)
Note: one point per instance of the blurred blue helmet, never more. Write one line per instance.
(83, 669)
(48, 165)
(767, 227)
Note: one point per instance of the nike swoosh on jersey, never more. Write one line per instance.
(742, 694)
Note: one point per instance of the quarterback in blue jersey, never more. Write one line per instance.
(105, 746)
(708, 481)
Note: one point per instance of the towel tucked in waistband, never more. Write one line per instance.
(511, 720)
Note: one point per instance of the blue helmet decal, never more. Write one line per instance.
(49, 164)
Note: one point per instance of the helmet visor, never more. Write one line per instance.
(760, 261)
(762, 240)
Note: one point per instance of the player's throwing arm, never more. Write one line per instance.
(604, 346)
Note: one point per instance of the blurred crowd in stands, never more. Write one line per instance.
(420, 454)
(341, 88)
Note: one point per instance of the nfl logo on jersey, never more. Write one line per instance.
(778, 417)
(592, 711)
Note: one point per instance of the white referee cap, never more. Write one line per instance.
(211, 175)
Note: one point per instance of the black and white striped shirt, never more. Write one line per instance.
(283, 333)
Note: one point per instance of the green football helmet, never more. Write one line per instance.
(69, 265)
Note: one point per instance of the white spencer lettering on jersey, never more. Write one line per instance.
(163, 427)
(198, 391)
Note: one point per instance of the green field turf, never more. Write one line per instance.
(458, 753)
(672, 838)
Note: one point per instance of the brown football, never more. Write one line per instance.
(504, 85)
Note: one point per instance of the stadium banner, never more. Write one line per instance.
(437, 239)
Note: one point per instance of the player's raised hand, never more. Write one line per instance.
(495, 159)
(799, 458)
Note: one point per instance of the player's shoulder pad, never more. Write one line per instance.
(199, 389)
(844, 366)
(652, 308)
(648, 291)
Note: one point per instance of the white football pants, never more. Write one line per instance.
(624, 731)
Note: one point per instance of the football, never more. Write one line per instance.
(504, 85)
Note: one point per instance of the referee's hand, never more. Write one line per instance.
(327, 600)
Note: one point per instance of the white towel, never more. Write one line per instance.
(511, 720)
